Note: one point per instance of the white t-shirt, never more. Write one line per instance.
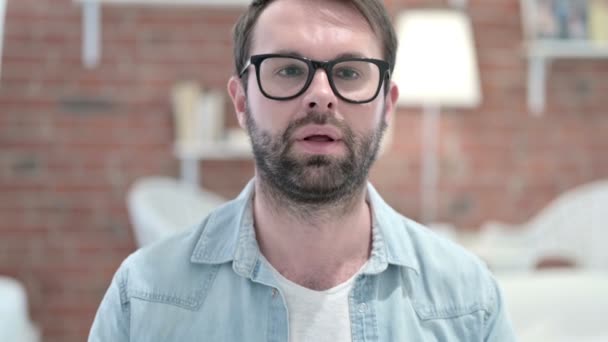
(317, 315)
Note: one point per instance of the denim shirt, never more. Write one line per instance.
(210, 284)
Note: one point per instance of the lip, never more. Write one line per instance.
(311, 130)
(331, 147)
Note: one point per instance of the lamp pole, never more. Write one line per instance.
(430, 162)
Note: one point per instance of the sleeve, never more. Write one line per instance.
(498, 323)
(113, 315)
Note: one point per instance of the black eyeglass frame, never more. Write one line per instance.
(313, 66)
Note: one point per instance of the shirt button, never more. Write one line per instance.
(362, 308)
(274, 293)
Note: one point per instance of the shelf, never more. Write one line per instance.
(219, 151)
(91, 20)
(541, 53)
(553, 33)
(567, 49)
(190, 155)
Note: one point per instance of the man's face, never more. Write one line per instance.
(316, 147)
(314, 177)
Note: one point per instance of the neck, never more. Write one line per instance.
(304, 241)
(313, 215)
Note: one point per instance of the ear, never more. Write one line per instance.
(389, 108)
(391, 102)
(239, 99)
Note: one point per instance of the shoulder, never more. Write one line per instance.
(175, 253)
(158, 271)
(168, 270)
(450, 278)
(439, 255)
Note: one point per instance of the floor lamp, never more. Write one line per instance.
(436, 67)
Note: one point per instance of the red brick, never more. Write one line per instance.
(64, 224)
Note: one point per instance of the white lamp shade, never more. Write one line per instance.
(436, 61)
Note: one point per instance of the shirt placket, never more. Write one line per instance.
(364, 326)
(277, 318)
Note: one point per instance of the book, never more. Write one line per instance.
(561, 19)
(545, 21)
(598, 21)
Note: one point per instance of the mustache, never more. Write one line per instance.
(316, 118)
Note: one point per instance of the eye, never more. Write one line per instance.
(347, 73)
(291, 71)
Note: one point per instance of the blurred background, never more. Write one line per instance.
(108, 107)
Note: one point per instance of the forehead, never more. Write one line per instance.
(319, 29)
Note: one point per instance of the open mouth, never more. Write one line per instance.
(319, 138)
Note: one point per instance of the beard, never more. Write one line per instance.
(313, 179)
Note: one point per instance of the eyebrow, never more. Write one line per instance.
(342, 55)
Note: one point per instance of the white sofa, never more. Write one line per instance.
(554, 304)
(15, 324)
(162, 206)
(573, 227)
(560, 305)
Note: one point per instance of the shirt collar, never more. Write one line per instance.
(229, 235)
(391, 240)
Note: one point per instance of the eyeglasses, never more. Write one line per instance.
(284, 77)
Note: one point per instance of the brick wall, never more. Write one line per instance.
(72, 140)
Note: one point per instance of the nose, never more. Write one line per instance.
(319, 94)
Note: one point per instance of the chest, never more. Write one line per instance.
(250, 311)
(317, 315)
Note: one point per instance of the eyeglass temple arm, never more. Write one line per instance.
(245, 68)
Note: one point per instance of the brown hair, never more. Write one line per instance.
(372, 10)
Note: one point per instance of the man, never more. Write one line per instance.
(309, 251)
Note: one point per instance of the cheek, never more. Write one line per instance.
(364, 118)
(270, 116)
